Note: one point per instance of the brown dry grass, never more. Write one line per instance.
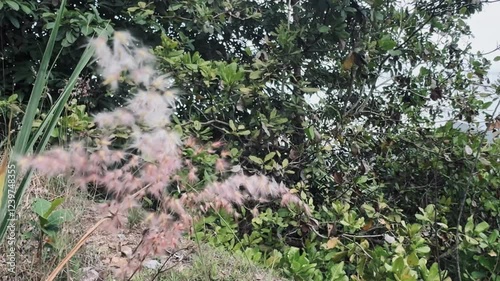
(102, 252)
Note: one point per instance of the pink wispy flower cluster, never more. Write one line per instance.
(151, 160)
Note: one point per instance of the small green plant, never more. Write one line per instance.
(135, 217)
(300, 266)
(27, 141)
(9, 109)
(75, 121)
(48, 223)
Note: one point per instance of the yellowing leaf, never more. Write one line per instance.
(368, 225)
(245, 90)
(3, 171)
(338, 178)
(495, 124)
(348, 62)
(332, 242)
(364, 244)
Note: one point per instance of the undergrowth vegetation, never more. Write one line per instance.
(318, 138)
(148, 162)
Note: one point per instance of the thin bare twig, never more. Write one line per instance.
(75, 249)
(161, 270)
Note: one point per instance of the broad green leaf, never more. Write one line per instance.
(269, 156)
(41, 206)
(53, 205)
(362, 180)
(310, 132)
(471, 240)
(470, 225)
(175, 7)
(12, 98)
(433, 273)
(481, 227)
(256, 159)
(55, 133)
(423, 250)
(421, 217)
(398, 265)
(488, 262)
(197, 125)
(13, 20)
(255, 74)
(245, 90)
(493, 236)
(13, 5)
(337, 270)
(231, 125)
(192, 66)
(309, 90)
(50, 230)
(369, 209)
(274, 259)
(244, 133)
(484, 161)
(323, 29)
(412, 259)
(60, 216)
(386, 43)
(395, 53)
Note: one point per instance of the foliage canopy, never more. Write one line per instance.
(343, 101)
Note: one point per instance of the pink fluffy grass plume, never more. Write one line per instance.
(151, 159)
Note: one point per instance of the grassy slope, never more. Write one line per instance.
(102, 251)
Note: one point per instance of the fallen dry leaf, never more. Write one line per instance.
(332, 242)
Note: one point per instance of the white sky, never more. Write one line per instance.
(485, 27)
(485, 38)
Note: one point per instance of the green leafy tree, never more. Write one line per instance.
(406, 197)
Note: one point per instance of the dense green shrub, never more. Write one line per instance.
(398, 193)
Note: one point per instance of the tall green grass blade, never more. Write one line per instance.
(20, 146)
(50, 122)
(21, 143)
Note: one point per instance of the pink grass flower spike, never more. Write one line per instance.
(151, 159)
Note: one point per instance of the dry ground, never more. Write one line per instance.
(101, 253)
